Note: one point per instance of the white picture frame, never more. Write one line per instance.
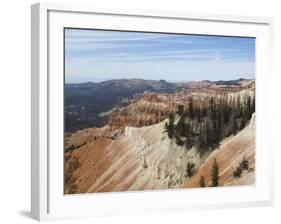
(48, 201)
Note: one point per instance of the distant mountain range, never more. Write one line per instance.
(84, 102)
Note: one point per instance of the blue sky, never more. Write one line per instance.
(95, 55)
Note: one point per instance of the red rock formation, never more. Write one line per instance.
(112, 159)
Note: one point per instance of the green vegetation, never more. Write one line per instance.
(190, 169)
(215, 174)
(205, 123)
(237, 172)
(202, 182)
(170, 127)
(74, 146)
(244, 165)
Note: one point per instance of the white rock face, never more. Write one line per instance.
(165, 160)
(253, 122)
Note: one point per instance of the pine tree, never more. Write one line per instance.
(243, 123)
(207, 134)
(212, 103)
(226, 114)
(171, 118)
(248, 108)
(181, 126)
(244, 164)
(190, 169)
(166, 126)
(238, 107)
(253, 105)
(170, 127)
(191, 109)
(238, 172)
(232, 125)
(215, 174)
(219, 127)
(199, 115)
(180, 110)
(202, 182)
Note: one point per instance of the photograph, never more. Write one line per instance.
(150, 111)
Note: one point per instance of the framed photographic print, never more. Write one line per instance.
(138, 111)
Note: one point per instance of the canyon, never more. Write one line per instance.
(132, 150)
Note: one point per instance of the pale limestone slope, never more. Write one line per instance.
(145, 159)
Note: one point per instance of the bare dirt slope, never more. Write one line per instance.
(140, 159)
(229, 155)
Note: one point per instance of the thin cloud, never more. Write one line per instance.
(105, 54)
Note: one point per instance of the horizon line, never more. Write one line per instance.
(170, 81)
